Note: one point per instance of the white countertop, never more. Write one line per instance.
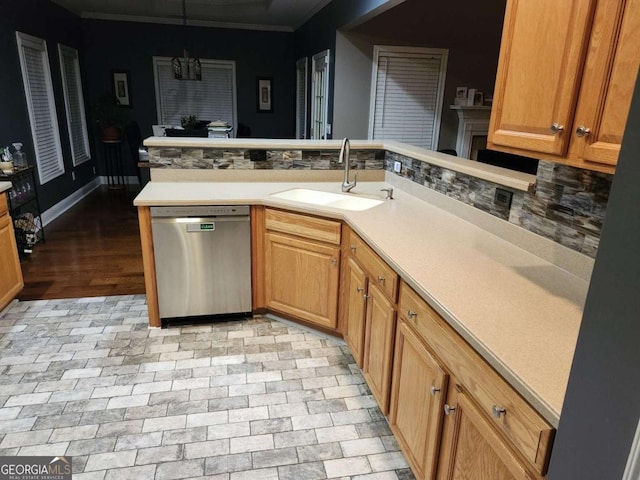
(501, 176)
(520, 312)
(4, 186)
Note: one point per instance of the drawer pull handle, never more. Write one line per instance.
(353, 248)
(434, 390)
(380, 279)
(449, 409)
(411, 315)
(498, 411)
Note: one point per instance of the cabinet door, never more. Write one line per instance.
(541, 59)
(378, 347)
(608, 82)
(418, 388)
(471, 448)
(355, 289)
(10, 274)
(301, 278)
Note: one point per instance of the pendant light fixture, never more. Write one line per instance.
(186, 68)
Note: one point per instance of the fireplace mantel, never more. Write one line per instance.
(472, 121)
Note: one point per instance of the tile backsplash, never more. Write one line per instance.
(567, 206)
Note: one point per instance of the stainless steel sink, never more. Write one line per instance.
(328, 199)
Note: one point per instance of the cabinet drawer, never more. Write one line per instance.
(303, 226)
(520, 424)
(4, 207)
(381, 274)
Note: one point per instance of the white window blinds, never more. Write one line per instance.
(320, 95)
(406, 95)
(301, 98)
(213, 98)
(36, 77)
(74, 103)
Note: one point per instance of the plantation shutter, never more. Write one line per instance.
(408, 90)
(36, 76)
(301, 98)
(213, 98)
(74, 103)
(320, 95)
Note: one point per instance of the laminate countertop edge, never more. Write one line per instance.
(521, 313)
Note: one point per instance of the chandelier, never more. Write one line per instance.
(186, 68)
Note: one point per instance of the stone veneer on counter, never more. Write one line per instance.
(567, 206)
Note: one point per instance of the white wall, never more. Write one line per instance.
(354, 56)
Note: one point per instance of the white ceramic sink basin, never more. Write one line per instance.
(328, 199)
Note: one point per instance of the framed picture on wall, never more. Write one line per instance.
(264, 94)
(122, 87)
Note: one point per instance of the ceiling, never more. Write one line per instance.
(279, 15)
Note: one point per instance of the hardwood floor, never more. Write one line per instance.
(91, 250)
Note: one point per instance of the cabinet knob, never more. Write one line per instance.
(556, 128)
(366, 297)
(582, 131)
(449, 409)
(498, 411)
(380, 279)
(352, 248)
(359, 289)
(334, 261)
(434, 390)
(411, 314)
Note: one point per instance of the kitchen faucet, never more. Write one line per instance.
(344, 158)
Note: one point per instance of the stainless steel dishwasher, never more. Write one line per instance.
(203, 261)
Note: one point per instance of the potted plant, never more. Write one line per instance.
(110, 117)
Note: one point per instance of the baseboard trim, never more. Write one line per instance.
(62, 206)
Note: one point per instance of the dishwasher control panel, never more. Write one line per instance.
(200, 211)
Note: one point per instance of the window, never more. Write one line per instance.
(36, 77)
(301, 98)
(74, 104)
(213, 98)
(406, 95)
(320, 95)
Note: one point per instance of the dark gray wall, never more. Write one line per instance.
(131, 46)
(45, 20)
(470, 30)
(602, 404)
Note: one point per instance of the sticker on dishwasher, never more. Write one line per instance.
(201, 227)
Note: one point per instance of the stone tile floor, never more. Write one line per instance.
(236, 400)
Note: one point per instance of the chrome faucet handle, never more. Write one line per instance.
(389, 193)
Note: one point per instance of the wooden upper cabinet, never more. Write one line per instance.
(607, 85)
(541, 58)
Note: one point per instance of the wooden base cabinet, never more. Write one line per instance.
(11, 281)
(378, 346)
(417, 398)
(302, 267)
(354, 291)
(471, 448)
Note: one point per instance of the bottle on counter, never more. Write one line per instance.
(19, 157)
